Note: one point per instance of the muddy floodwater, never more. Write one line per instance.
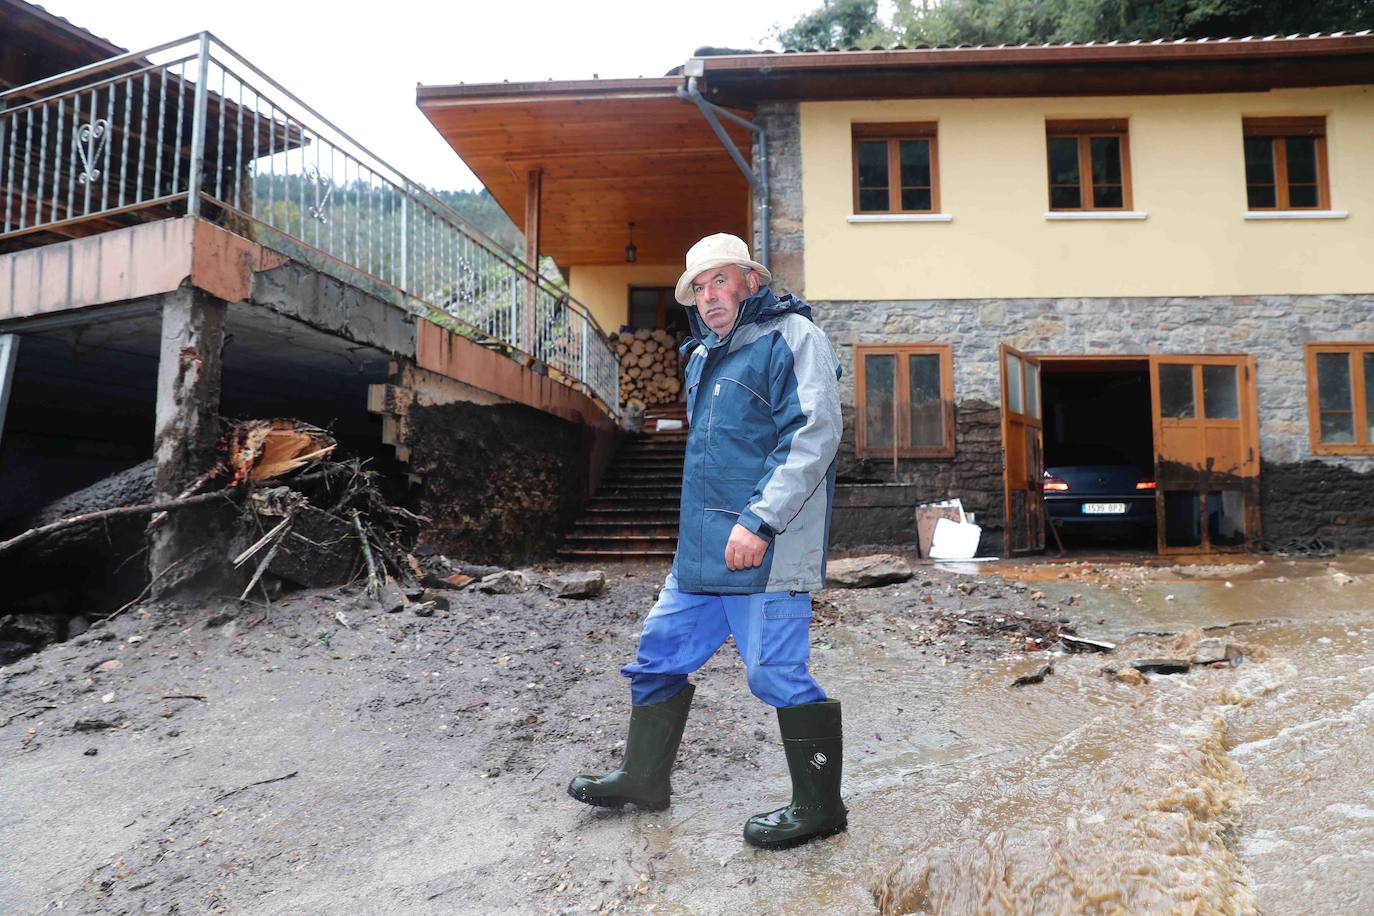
(1234, 789)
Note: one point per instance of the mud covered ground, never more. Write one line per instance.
(322, 754)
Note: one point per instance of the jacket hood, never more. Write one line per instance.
(762, 305)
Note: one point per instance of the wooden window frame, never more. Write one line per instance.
(902, 399)
(894, 133)
(665, 293)
(1274, 130)
(1085, 131)
(1363, 445)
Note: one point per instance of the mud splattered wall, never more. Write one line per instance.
(501, 482)
(1301, 495)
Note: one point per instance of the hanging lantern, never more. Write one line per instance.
(631, 252)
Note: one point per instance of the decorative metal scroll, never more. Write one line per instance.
(90, 138)
(321, 205)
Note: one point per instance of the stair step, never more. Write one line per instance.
(593, 542)
(628, 517)
(668, 488)
(627, 527)
(648, 475)
(603, 555)
(644, 475)
(627, 500)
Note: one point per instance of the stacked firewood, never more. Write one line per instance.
(648, 367)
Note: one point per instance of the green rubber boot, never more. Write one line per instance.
(650, 748)
(814, 744)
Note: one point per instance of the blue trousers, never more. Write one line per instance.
(684, 629)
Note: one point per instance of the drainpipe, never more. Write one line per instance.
(758, 180)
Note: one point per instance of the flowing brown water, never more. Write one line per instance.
(1231, 790)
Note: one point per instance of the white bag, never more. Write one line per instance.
(955, 540)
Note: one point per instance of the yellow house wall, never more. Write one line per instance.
(605, 289)
(1188, 175)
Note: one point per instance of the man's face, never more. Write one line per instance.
(719, 291)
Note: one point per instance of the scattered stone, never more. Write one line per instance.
(392, 598)
(91, 751)
(1211, 650)
(97, 723)
(1080, 644)
(1162, 665)
(1036, 678)
(424, 608)
(587, 584)
(1341, 578)
(867, 572)
(33, 630)
(476, 571)
(109, 664)
(218, 620)
(968, 588)
(1125, 676)
(505, 582)
(442, 604)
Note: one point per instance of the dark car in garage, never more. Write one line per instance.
(1101, 494)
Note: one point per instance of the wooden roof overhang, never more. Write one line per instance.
(1131, 68)
(611, 152)
(38, 43)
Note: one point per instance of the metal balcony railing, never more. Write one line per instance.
(203, 132)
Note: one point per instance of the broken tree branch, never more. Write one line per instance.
(285, 528)
(261, 542)
(260, 782)
(85, 518)
(374, 588)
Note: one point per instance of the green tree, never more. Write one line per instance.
(958, 22)
(836, 24)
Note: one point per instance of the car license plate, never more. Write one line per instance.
(1104, 508)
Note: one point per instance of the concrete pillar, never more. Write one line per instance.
(187, 423)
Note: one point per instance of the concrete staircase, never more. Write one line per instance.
(634, 513)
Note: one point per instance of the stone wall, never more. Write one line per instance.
(1272, 328)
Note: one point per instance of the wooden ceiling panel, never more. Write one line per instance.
(612, 153)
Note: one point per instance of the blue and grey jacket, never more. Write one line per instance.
(764, 410)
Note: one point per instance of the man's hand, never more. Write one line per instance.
(745, 549)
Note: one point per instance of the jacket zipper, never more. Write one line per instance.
(711, 417)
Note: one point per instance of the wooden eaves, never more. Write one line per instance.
(1251, 64)
(610, 152)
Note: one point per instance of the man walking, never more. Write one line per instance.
(758, 480)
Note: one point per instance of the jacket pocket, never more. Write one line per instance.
(786, 630)
(740, 424)
(723, 498)
(692, 402)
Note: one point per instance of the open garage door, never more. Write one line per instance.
(1023, 452)
(1206, 433)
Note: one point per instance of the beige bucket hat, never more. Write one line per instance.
(716, 251)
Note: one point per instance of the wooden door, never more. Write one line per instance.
(1023, 452)
(1206, 432)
